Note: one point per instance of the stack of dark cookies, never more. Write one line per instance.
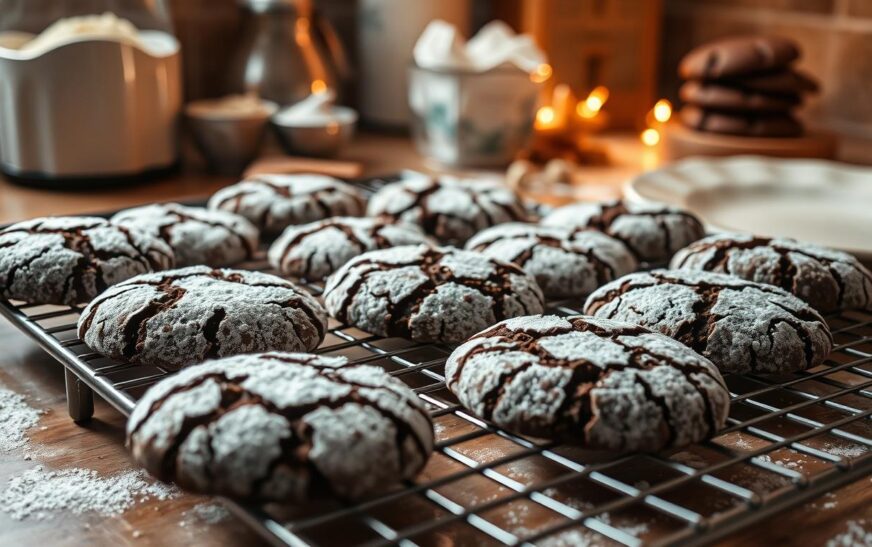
(744, 86)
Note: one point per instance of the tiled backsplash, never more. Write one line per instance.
(835, 35)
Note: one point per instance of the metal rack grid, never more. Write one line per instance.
(788, 439)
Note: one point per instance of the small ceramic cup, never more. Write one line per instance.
(316, 137)
(228, 135)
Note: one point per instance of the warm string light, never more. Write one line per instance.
(545, 116)
(650, 137)
(319, 86)
(565, 117)
(594, 102)
(563, 123)
(659, 115)
(662, 111)
(542, 73)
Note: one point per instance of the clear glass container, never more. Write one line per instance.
(90, 88)
(287, 51)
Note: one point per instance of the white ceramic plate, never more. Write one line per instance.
(822, 202)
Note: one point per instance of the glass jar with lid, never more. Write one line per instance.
(91, 88)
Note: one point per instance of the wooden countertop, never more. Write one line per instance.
(58, 443)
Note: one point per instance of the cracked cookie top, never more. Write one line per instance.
(564, 262)
(652, 232)
(601, 384)
(70, 260)
(314, 251)
(450, 209)
(198, 236)
(274, 202)
(827, 279)
(429, 294)
(281, 427)
(740, 325)
(179, 317)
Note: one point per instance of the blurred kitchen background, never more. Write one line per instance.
(630, 46)
(836, 37)
(586, 82)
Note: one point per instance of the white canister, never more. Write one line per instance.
(472, 119)
(387, 32)
(90, 108)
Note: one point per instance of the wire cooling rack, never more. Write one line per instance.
(788, 439)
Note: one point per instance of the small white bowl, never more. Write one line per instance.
(228, 139)
(317, 139)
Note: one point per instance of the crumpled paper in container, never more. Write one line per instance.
(441, 46)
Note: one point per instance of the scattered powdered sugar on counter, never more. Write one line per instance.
(210, 513)
(634, 528)
(38, 492)
(16, 417)
(589, 538)
(851, 451)
(742, 443)
(857, 535)
(827, 501)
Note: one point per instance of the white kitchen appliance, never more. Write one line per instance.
(89, 89)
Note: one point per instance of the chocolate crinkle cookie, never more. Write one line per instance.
(749, 124)
(429, 294)
(284, 427)
(179, 317)
(450, 209)
(198, 236)
(740, 325)
(274, 202)
(564, 262)
(720, 96)
(827, 279)
(598, 383)
(739, 55)
(314, 251)
(652, 232)
(70, 260)
(745, 86)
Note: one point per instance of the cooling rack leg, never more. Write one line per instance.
(80, 398)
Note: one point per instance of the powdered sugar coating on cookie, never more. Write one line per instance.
(450, 209)
(314, 251)
(598, 383)
(827, 279)
(652, 232)
(564, 262)
(274, 202)
(741, 326)
(179, 317)
(68, 260)
(285, 427)
(429, 294)
(198, 236)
